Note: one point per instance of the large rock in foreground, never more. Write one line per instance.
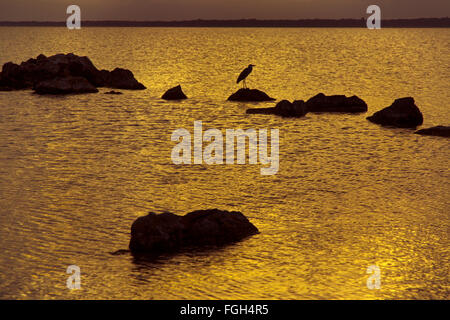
(403, 113)
(250, 95)
(174, 94)
(439, 131)
(30, 73)
(336, 103)
(65, 86)
(167, 232)
(283, 108)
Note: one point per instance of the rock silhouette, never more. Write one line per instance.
(121, 79)
(167, 232)
(336, 103)
(113, 92)
(30, 73)
(175, 93)
(439, 131)
(403, 113)
(250, 95)
(283, 108)
(64, 86)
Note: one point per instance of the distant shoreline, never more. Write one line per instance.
(247, 23)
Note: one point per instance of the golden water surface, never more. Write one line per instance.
(76, 171)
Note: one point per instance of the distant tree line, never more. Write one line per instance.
(304, 23)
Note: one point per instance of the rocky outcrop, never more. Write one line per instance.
(439, 131)
(64, 86)
(30, 73)
(174, 94)
(336, 103)
(167, 232)
(11, 78)
(403, 113)
(283, 108)
(250, 95)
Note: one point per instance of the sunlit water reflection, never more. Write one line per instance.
(76, 171)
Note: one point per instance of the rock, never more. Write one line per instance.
(403, 113)
(33, 71)
(12, 77)
(123, 79)
(284, 108)
(65, 86)
(174, 94)
(120, 252)
(113, 92)
(4, 86)
(249, 95)
(439, 131)
(167, 232)
(336, 103)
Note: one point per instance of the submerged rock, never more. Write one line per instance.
(283, 108)
(166, 232)
(403, 113)
(439, 131)
(120, 252)
(174, 94)
(113, 92)
(65, 86)
(336, 103)
(250, 95)
(34, 71)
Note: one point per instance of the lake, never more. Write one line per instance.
(77, 170)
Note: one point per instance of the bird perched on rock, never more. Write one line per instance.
(244, 74)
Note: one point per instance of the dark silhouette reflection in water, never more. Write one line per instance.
(149, 259)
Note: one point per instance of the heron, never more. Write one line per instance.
(244, 74)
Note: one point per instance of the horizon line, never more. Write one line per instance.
(443, 22)
(207, 19)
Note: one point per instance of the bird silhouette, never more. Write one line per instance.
(244, 74)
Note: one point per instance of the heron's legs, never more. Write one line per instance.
(245, 83)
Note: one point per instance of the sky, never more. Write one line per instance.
(139, 10)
